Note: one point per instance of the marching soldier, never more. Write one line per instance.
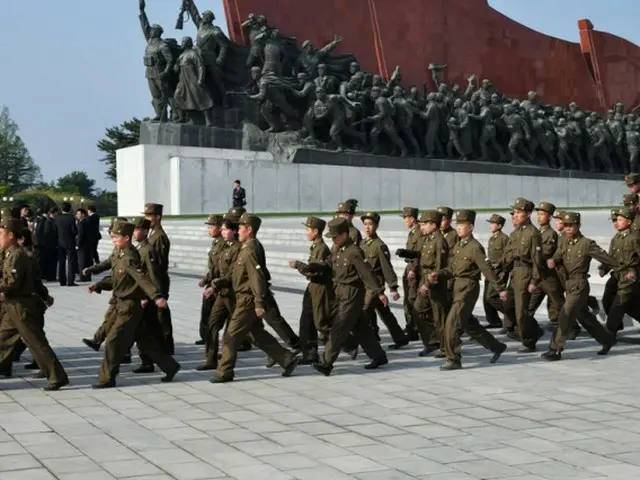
(523, 261)
(217, 245)
(409, 287)
(351, 277)
(490, 299)
(611, 286)
(160, 244)
(632, 181)
(130, 287)
(549, 285)
(466, 263)
(317, 300)
(347, 210)
(450, 234)
(20, 309)
(575, 257)
(376, 254)
(251, 288)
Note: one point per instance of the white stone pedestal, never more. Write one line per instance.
(192, 180)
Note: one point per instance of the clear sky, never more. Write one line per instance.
(71, 68)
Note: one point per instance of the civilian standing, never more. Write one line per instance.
(239, 195)
(94, 221)
(85, 243)
(67, 254)
(51, 246)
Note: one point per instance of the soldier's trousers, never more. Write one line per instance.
(20, 346)
(164, 317)
(315, 317)
(109, 317)
(348, 316)
(410, 289)
(221, 311)
(519, 299)
(627, 301)
(20, 320)
(127, 328)
(460, 319)
(275, 320)
(492, 305)
(205, 313)
(152, 327)
(551, 288)
(577, 293)
(609, 295)
(373, 305)
(244, 322)
(431, 314)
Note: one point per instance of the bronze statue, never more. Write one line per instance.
(191, 94)
(270, 92)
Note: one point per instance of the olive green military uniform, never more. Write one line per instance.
(251, 288)
(410, 287)
(611, 285)
(376, 254)
(431, 309)
(490, 300)
(523, 260)
(466, 262)
(160, 244)
(317, 300)
(625, 249)
(351, 276)
(549, 285)
(21, 313)
(101, 333)
(217, 245)
(130, 286)
(223, 306)
(575, 255)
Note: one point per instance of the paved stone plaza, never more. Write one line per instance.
(519, 419)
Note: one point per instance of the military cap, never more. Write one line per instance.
(630, 199)
(315, 222)
(632, 179)
(466, 216)
(237, 212)
(230, 218)
(546, 207)
(141, 222)
(123, 228)
(409, 212)
(625, 212)
(446, 211)
(373, 216)
(6, 212)
(153, 209)
(571, 217)
(559, 215)
(614, 214)
(352, 205)
(214, 219)
(251, 220)
(337, 226)
(495, 218)
(12, 225)
(433, 216)
(523, 204)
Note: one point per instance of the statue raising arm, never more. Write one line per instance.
(194, 13)
(144, 21)
(330, 47)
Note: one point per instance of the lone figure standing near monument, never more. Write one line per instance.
(239, 195)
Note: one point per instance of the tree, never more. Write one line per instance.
(127, 134)
(78, 181)
(18, 171)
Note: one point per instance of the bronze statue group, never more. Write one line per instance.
(327, 101)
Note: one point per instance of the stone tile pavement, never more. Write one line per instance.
(519, 419)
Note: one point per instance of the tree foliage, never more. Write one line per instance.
(125, 135)
(18, 171)
(77, 181)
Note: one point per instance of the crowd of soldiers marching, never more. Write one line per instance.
(345, 293)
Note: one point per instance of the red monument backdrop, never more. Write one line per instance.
(469, 36)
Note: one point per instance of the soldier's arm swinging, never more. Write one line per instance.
(257, 280)
(365, 273)
(387, 269)
(13, 279)
(132, 268)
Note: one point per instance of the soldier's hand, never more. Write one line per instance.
(433, 277)
(260, 312)
(551, 263)
(503, 295)
(144, 302)
(161, 302)
(411, 275)
(383, 300)
(423, 290)
(201, 283)
(49, 301)
(337, 38)
(208, 292)
(215, 282)
(395, 296)
(532, 288)
(85, 271)
(92, 288)
(292, 263)
(601, 270)
(631, 276)
(142, 4)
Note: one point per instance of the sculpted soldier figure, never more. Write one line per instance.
(158, 62)
(191, 95)
(565, 140)
(328, 82)
(543, 137)
(616, 130)
(273, 102)
(256, 24)
(305, 91)
(383, 123)
(460, 131)
(488, 132)
(330, 110)
(433, 117)
(405, 118)
(597, 147)
(310, 57)
(632, 138)
(520, 133)
(272, 52)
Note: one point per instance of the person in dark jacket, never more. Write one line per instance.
(67, 254)
(94, 221)
(51, 246)
(39, 243)
(239, 196)
(85, 243)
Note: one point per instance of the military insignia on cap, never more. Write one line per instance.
(257, 267)
(14, 270)
(567, 217)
